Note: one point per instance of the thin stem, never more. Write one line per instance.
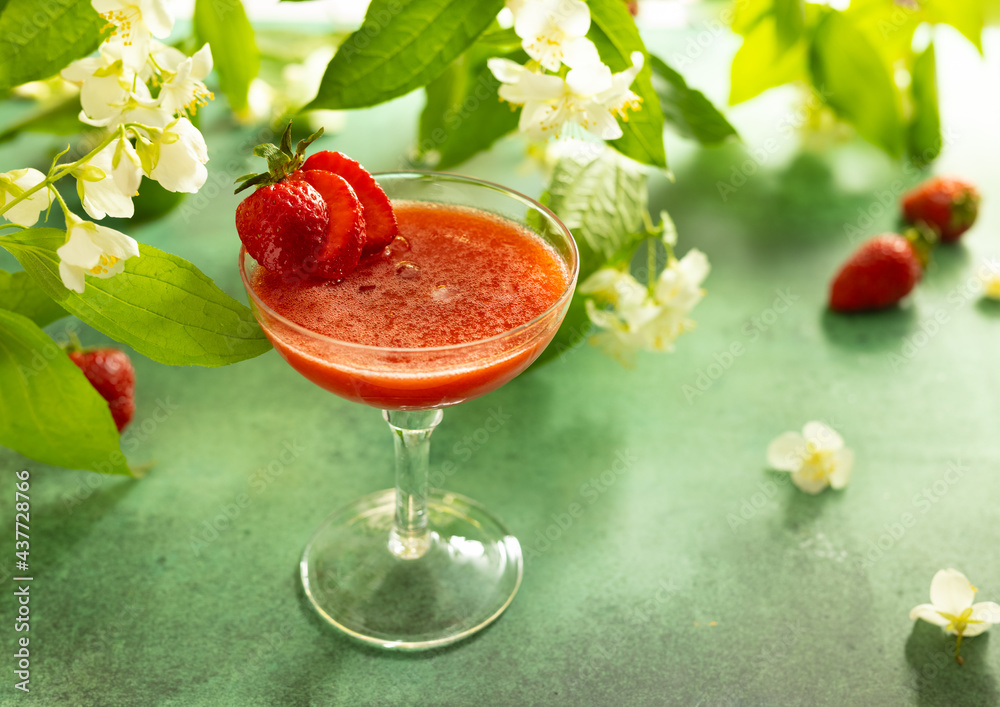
(958, 647)
(60, 171)
(410, 537)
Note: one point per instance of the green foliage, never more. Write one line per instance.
(848, 73)
(19, 293)
(614, 33)
(603, 200)
(401, 45)
(853, 59)
(161, 305)
(464, 113)
(37, 41)
(763, 62)
(923, 134)
(48, 410)
(687, 110)
(224, 25)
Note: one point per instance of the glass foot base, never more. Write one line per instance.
(463, 579)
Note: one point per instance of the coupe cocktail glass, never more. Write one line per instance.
(414, 567)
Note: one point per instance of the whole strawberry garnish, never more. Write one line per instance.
(110, 372)
(879, 274)
(380, 221)
(300, 222)
(945, 204)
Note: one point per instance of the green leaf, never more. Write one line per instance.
(687, 110)
(401, 45)
(37, 40)
(48, 410)
(464, 114)
(853, 80)
(967, 16)
(923, 134)
(789, 17)
(21, 294)
(162, 305)
(603, 200)
(223, 24)
(761, 63)
(613, 30)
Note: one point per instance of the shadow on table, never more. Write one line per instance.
(69, 520)
(989, 307)
(938, 679)
(802, 509)
(883, 330)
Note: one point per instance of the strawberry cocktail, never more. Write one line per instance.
(408, 292)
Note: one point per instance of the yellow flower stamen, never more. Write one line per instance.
(104, 264)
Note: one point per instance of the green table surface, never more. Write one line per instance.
(695, 576)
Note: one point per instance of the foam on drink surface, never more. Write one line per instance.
(454, 275)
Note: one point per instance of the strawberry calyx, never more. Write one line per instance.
(923, 239)
(281, 161)
(964, 210)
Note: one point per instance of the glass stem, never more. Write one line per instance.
(410, 538)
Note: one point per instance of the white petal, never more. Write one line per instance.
(25, 213)
(843, 464)
(928, 613)
(579, 52)
(157, 17)
(589, 80)
(823, 438)
(201, 63)
(573, 17)
(181, 164)
(72, 277)
(986, 611)
(80, 250)
(597, 120)
(787, 451)
(695, 266)
(809, 483)
(951, 592)
(505, 70)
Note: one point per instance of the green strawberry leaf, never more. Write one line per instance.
(603, 200)
(161, 305)
(223, 24)
(923, 134)
(19, 293)
(48, 410)
(687, 110)
(37, 41)
(401, 45)
(850, 75)
(614, 32)
(464, 114)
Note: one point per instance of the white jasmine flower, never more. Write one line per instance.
(92, 249)
(553, 32)
(952, 609)
(183, 91)
(108, 182)
(643, 318)
(176, 157)
(817, 458)
(14, 184)
(110, 93)
(590, 95)
(136, 22)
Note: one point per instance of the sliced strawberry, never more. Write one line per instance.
(345, 237)
(380, 221)
(284, 226)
